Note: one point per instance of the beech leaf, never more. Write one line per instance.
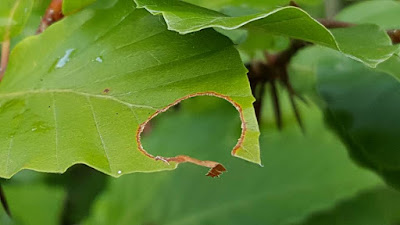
(91, 82)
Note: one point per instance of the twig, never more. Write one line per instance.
(257, 85)
(53, 14)
(276, 103)
(271, 72)
(293, 3)
(4, 202)
(5, 53)
(296, 111)
(331, 24)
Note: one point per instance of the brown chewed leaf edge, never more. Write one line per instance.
(216, 168)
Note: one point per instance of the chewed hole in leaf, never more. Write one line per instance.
(207, 128)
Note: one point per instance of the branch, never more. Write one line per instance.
(331, 24)
(53, 14)
(272, 72)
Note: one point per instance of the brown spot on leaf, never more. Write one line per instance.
(105, 91)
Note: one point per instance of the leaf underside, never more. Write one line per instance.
(72, 6)
(373, 44)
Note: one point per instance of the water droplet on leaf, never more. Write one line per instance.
(61, 62)
(99, 59)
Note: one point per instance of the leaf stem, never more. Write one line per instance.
(5, 53)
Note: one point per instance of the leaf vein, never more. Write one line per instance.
(9, 153)
(56, 129)
(98, 132)
(69, 91)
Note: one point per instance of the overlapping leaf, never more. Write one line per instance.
(71, 6)
(386, 14)
(89, 82)
(33, 204)
(248, 4)
(360, 104)
(373, 45)
(379, 206)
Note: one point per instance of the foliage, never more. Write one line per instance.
(368, 125)
(373, 45)
(128, 87)
(304, 176)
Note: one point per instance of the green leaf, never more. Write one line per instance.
(91, 81)
(254, 4)
(252, 44)
(13, 16)
(33, 205)
(360, 104)
(302, 174)
(380, 206)
(72, 6)
(373, 45)
(383, 13)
